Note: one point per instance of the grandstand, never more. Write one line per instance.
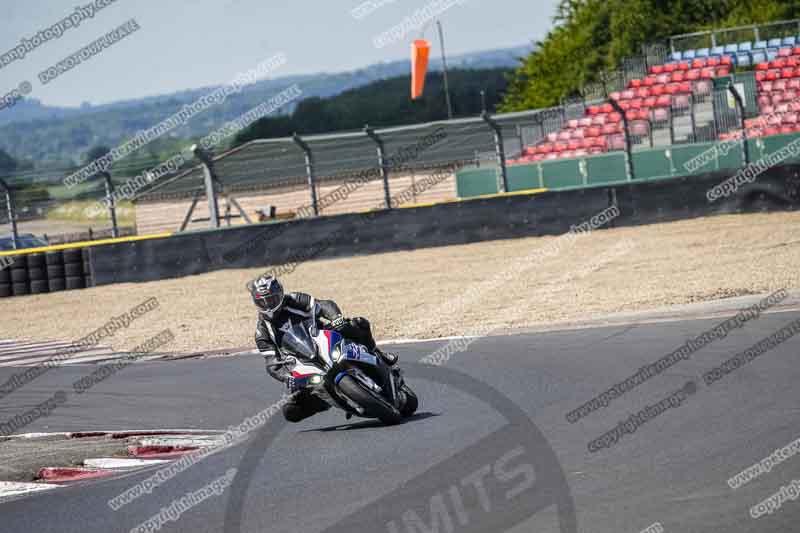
(656, 104)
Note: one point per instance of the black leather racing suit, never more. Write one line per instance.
(268, 339)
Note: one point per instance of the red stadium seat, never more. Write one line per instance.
(764, 100)
(790, 118)
(794, 84)
(656, 69)
(767, 85)
(650, 102)
(649, 81)
(572, 124)
(599, 120)
(628, 94)
(767, 110)
(578, 133)
(773, 75)
(640, 127)
(722, 71)
(683, 65)
(780, 85)
(670, 67)
(606, 108)
(796, 50)
(707, 73)
(787, 73)
(585, 122)
(564, 135)
(644, 92)
(726, 60)
(678, 76)
(786, 129)
(587, 143)
(581, 153)
(610, 128)
(635, 84)
(771, 131)
(614, 117)
(658, 90)
(594, 131)
(778, 62)
(699, 63)
(560, 147)
(686, 87)
(593, 109)
(774, 119)
(693, 74)
(713, 61)
(792, 61)
(615, 95)
(777, 98)
(784, 52)
(632, 114)
(551, 155)
(664, 79)
(673, 88)
(761, 75)
(762, 66)
(636, 103)
(574, 144)
(552, 137)
(664, 101)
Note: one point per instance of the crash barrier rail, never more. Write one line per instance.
(499, 216)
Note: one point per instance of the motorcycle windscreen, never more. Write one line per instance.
(297, 340)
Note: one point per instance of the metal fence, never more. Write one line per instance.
(295, 176)
(739, 34)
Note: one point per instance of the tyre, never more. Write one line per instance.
(19, 275)
(374, 405)
(19, 289)
(5, 275)
(73, 255)
(54, 258)
(5, 290)
(75, 282)
(36, 261)
(55, 271)
(39, 286)
(57, 284)
(73, 269)
(411, 404)
(37, 274)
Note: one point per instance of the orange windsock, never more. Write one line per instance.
(420, 51)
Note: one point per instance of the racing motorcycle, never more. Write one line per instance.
(344, 373)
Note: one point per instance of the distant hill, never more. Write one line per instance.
(56, 137)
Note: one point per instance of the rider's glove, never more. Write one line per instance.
(338, 322)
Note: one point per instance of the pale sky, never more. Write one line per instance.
(184, 44)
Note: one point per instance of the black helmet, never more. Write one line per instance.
(267, 293)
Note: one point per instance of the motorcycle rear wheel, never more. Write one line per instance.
(374, 406)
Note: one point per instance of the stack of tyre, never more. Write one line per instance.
(52, 271)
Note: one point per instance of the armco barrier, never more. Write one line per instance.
(480, 219)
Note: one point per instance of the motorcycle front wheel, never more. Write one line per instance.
(374, 405)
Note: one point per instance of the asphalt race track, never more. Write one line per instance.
(428, 474)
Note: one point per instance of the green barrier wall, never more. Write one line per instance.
(611, 168)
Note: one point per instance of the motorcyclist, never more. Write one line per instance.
(276, 307)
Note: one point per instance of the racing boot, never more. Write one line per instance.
(388, 357)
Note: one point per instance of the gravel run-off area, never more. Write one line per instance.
(455, 290)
